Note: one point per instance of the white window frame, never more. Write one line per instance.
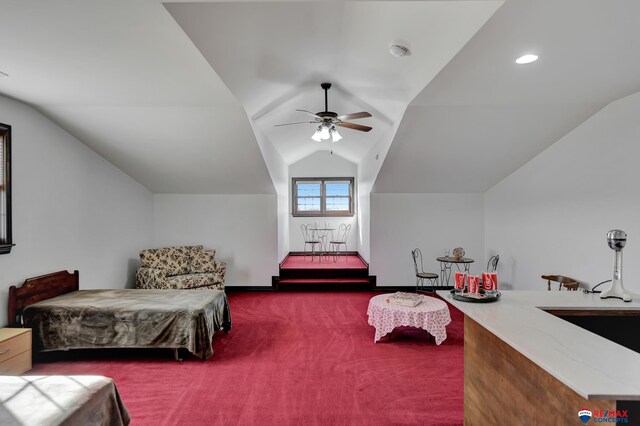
(323, 197)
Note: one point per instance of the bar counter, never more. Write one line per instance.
(527, 362)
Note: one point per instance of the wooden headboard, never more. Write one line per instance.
(39, 288)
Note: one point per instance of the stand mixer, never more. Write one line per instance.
(616, 239)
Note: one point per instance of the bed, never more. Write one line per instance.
(60, 400)
(62, 317)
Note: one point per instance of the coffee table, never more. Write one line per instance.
(431, 315)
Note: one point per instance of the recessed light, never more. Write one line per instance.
(399, 50)
(526, 59)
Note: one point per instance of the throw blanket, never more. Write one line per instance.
(60, 400)
(129, 319)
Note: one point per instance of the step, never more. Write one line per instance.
(332, 284)
(323, 280)
(324, 274)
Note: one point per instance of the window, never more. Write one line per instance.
(322, 196)
(5, 189)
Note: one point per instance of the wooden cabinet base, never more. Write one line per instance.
(15, 351)
(17, 365)
(503, 387)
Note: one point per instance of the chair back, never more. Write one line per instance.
(342, 233)
(566, 282)
(492, 265)
(308, 233)
(416, 254)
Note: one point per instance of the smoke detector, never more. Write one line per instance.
(399, 50)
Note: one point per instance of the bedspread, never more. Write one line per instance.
(129, 319)
(60, 400)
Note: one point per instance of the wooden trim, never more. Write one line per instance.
(502, 386)
(243, 288)
(5, 181)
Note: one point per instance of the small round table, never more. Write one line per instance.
(445, 267)
(431, 315)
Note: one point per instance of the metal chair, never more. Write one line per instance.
(311, 238)
(421, 275)
(340, 239)
(566, 282)
(492, 265)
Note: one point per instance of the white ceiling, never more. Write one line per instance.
(484, 116)
(273, 57)
(175, 107)
(123, 78)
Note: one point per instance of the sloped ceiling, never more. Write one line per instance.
(274, 55)
(172, 94)
(123, 78)
(483, 116)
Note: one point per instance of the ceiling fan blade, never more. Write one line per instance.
(299, 122)
(310, 113)
(354, 126)
(353, 116)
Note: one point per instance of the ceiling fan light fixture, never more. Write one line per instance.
(399, 50)
(324, 133)
(335, 136)
(316, 136)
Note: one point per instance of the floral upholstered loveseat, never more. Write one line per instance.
(182, 267)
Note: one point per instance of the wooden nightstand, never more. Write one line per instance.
(15, 351)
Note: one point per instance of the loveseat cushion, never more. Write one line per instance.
(174, 260)
(203, 261)
(192, 280)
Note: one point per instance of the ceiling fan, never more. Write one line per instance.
(328, 120)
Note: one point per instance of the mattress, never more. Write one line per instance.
(129, 319)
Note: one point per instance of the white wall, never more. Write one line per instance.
(279, 172)
(430, 222)
(242, 228)
(551, 216)
(71, 208)
(322, 164)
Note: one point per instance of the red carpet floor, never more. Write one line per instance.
(290, 359)
(323, 262)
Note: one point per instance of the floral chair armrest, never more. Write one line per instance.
(151, 278)
(219, 269)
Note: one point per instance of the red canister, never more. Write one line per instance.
(487, 282)
(460, 278)
(474, 284)
(490, 280)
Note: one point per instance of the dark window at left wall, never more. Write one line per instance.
(6, 241)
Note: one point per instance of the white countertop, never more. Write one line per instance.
(594, 367)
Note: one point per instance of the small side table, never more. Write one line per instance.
(15, 351)
(445, 267)
(432, 315)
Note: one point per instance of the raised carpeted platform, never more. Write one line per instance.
(302, 273)
(352, 261)
(290, 359)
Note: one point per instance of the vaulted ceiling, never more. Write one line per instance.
(483, 116)
(273, 57)
(174, 93)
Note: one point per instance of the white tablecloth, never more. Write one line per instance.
(431, 315)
